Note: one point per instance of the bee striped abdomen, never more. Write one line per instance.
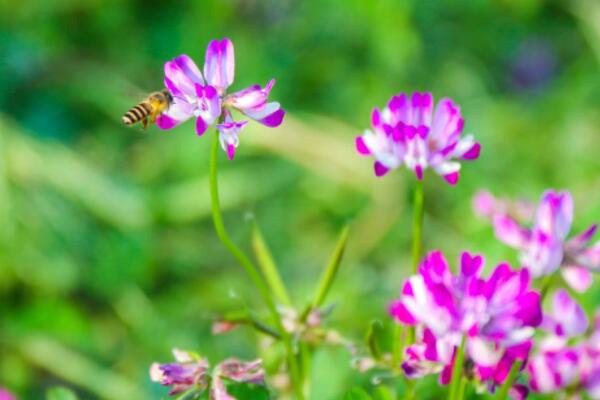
(137, 113)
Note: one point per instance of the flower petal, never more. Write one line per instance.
(201, 126)
(269, 114)
(251, 97)
(555, 214)
(219, 64)
(181, 74)
(380, 169)
(577, 277)
(510, 232)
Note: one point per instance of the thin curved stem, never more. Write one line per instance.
(249, 267)
(416, 248)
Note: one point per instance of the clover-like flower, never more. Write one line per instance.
(567, 359)
(497, 317)
(408, 131)
(204, 96)
(192, 373)
(544, 247)
(189, 371)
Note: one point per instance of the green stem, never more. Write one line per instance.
(462, 388)
(457, 370)
(417, 246)
(418, 213)
(249, 267)
(546, 285)
(512, 375)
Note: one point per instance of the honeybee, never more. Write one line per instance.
(149, 109)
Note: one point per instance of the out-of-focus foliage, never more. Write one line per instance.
(108, 258)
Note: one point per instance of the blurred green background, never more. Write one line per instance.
(108, 258)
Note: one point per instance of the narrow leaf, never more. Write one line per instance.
(457, 370)
(371, 339)
(268, 266)
(331, 270)
(60, 393)
(508, 383)
(383, 393)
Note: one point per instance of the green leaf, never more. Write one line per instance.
(357, 394)
(246, 391)
(371, 339)
(331, 270)
(383, 393)
(268, 267)
(60, 393)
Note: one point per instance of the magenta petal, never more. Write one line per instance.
(473, 152)
(361, 147)
(230, 151)
(165, 122)
(380, 169)
(200, 126)
(399, 311)
(470, 265)
(452, 178)
(273, 120)
(419, 172)
(581, 240)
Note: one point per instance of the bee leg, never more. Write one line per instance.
(145, 122)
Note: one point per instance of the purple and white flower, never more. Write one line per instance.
(545, 247)
(567, 359)
(496, 315)
(192, 373)
(204, 96)
(409, 131)
(189, 371)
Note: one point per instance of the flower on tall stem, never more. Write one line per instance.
(544, 247)
(203, 95)
(409, 131)
(496, 316)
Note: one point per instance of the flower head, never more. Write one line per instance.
(496, 315)
(409, 131)
(544, 247)
(204, 96)
(189, 371)
(567, 359)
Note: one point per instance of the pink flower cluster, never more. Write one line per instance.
(544, 247)
(496, 316)
(567, 358)
(410, 132)
(204, 96)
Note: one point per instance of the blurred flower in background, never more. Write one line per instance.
(568, 357)
(534, 64)
(6, 395)
(544, 247)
